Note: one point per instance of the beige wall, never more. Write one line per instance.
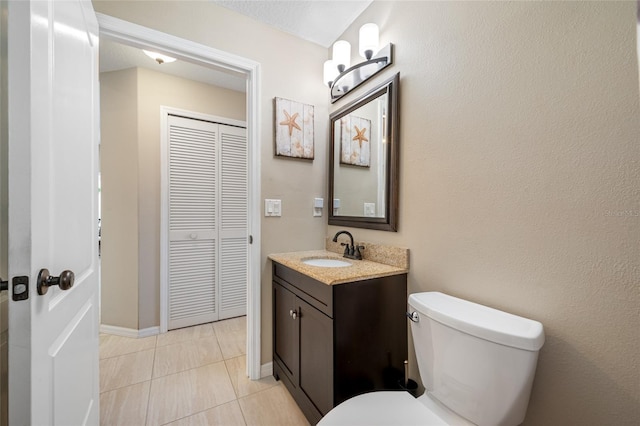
(519, 181)
(131, 183)
(291, 68)
(119, 179)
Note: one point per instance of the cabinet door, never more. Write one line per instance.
(285, 329)
(316, 356)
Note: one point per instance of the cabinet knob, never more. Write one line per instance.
(293, 314)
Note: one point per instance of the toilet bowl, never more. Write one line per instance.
(477, 365)
(388, 408)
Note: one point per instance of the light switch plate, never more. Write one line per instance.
(318, 205)
(272, 207)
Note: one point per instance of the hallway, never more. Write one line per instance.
(190, 376)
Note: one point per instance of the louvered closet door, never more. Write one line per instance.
(207, 222)
(233, 222)
(193, 181)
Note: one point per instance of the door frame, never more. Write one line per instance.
(142, 37)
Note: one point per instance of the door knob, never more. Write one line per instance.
(64, 281)
(4, 285)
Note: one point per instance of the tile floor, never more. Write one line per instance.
(191, 376)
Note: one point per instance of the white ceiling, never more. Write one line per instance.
(116, 56)
(318, 21)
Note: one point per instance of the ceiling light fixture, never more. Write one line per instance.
(340, 77)
(159, 57)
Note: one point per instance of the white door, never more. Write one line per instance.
(208, 230)
(53, 153)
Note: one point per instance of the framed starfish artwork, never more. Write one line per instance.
(355, 148)
(294, 131)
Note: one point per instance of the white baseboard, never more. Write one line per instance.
(129, 332)
(266, 370)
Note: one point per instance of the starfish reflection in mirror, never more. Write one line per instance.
(360, 137)
(290, 121)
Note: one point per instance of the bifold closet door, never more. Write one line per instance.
(207, 278)
(233, 222)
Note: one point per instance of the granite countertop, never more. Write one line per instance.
(358, 271)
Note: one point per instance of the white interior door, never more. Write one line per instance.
(53, 165)
(208, 230)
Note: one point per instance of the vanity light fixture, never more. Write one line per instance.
(340, 77)
(159, 57)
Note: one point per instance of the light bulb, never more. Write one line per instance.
(342, 54)
(369, 38)
(159, 57)
(330, 72)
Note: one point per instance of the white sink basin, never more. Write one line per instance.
(326, 263)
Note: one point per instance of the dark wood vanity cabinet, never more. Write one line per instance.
(332, 342)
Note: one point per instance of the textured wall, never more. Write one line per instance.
(119, 179)
(519, 181)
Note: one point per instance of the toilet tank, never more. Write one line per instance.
(477, 361)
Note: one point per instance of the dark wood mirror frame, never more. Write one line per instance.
(390, 220)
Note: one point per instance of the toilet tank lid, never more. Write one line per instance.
(479, 320)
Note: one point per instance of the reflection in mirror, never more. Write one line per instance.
(363, 169)
(360, 177)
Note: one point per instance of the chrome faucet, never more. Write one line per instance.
(350, 251)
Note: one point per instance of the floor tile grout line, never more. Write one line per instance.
(189, 369)
(146, 412)
(244, 417)
(208, 408)
(100, 357)
(205, 410)
(260, 391)
(118, 361)
(188, 339)
(124, 386)
(191, 340)
(235, 392)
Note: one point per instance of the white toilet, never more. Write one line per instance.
(476, 363)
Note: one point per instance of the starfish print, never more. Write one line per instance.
(360, 137)
(290, 121)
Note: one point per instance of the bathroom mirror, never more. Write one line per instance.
(363, 166)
